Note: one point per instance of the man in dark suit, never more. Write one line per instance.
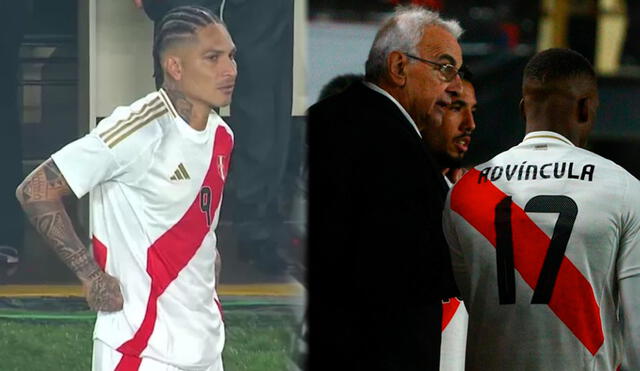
(379, 261)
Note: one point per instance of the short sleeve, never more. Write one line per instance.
(119, 148)
(86, 163)
(628, 262)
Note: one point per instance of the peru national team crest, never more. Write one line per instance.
(221, 169)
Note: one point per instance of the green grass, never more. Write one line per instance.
(257, 339)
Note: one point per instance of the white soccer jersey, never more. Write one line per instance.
(540, 236)
(156, 193)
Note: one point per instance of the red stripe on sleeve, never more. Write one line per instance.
(172, 251)
(573, 300)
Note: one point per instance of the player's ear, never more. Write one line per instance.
(173, 67)
(522, 112)
(584, 110)
(397, 64)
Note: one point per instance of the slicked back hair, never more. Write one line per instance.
(558, 64)
(179, 24)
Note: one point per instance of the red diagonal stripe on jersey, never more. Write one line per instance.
(448, 311)
(168, 255)
(573, 300)
(99, 253)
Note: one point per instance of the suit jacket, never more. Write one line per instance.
(379, 264)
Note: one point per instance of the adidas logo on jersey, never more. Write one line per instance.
(180, 173)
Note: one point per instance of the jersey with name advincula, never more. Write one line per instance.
(156, 190)
(539, 237)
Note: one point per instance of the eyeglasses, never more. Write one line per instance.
(447, 70)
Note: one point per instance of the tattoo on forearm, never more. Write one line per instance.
(179, 100)
(53, 224)
(55, 180)
(41, 201)
(41, 197)
(44, 183)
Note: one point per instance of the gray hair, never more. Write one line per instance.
(402, 32)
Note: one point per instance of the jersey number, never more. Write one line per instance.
(568, 211)
(205, 203)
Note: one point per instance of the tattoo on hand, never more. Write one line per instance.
(104, 293)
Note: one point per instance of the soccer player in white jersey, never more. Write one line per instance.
(448, 144)
(545, 237)
(156, 170)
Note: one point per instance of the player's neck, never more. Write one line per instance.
(538, 125)
(553, 115)
(193, 113)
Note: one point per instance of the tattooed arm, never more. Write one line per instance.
(40, 195)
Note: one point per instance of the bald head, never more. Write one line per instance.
(560, 94)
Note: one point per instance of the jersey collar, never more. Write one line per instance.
(184, 128)
(167, 102)
(545, 136)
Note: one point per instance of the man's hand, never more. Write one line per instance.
(103, 292)
(137, 3)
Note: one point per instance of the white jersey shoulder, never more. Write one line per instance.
(130, 129)
(120, 147)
